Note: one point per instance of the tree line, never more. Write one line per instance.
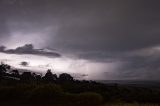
(7, 72)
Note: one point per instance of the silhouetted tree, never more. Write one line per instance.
(49, 76)
(26, 76)
(3, 69)
(34, 74)
(36, 77)
(15, 73)
(55, 77)
(65, 77)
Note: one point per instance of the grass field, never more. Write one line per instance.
(134, 104)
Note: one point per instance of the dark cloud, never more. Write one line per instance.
(90, 25)
(113, 26)
(97, 30)
(24, 63)
(29, 49)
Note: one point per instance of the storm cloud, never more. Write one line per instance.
(29, 49)
(105, 31)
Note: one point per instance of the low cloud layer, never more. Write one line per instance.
(29, 49)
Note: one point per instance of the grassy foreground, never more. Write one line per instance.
(56, 95)
(129, 104)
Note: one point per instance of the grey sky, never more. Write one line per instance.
(105, 31)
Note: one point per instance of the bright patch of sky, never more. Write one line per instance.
(83, 69)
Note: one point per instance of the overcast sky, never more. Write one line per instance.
(103, 39)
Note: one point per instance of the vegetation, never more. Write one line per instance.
(129, 104)
(63, 90)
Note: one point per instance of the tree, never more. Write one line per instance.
(3, 69)
(36, 77)
(55, 77)
(15, 73)
(26, 76)
(65, 77)
(49, 76)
